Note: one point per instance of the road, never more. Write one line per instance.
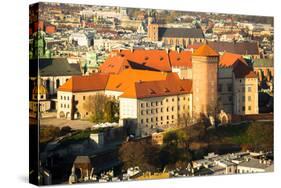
(74, 124)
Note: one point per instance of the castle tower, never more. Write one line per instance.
(204, 72)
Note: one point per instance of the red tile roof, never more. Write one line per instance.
(228, 59)
(205, 50)
(242, 70)
(114, 65)
(180, 59)
(94, 82)
(127, 78)
(158, 88)
(155, 59)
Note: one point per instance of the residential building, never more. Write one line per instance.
(82, 38)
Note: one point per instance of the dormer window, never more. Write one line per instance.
(146, 58)
(161, 58)
(152, 91)
(181, 89)
(118, 85)
(167, 90)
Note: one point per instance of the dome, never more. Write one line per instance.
(41, 90)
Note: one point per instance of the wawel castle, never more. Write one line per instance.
(157, 88)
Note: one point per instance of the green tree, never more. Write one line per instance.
(260, 137)
(102, 108)
(139, 153)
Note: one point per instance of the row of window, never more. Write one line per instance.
(156, 119)
(64, 97)
(181, 41)
(156, 124)
(64, 106)
(40, 97)
(156, 103)
(168, 109)
(229, 87)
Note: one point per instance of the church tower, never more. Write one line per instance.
(204, 72)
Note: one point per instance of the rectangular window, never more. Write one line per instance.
(142, 105)
(243, 108)
(249, 108)
(229, 87)
(220, 88)
(249, 98)
(230, 98)
(249, 89)
(84, 97)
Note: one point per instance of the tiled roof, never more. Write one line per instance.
(205, 50)
(180, 32)
(94, 82)
(124, 80)
(152, 59)
(242, 70)
(242, 48)
(158, 88)
(114, 65)
(53, 67)
(181, 59)
(228, 59)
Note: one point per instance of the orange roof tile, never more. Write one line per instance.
(205, 50)
(124, 80)
(114, 65)
(228, 59)
(153, 59)
(158, 88)
(180, 59)
(94, 82)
